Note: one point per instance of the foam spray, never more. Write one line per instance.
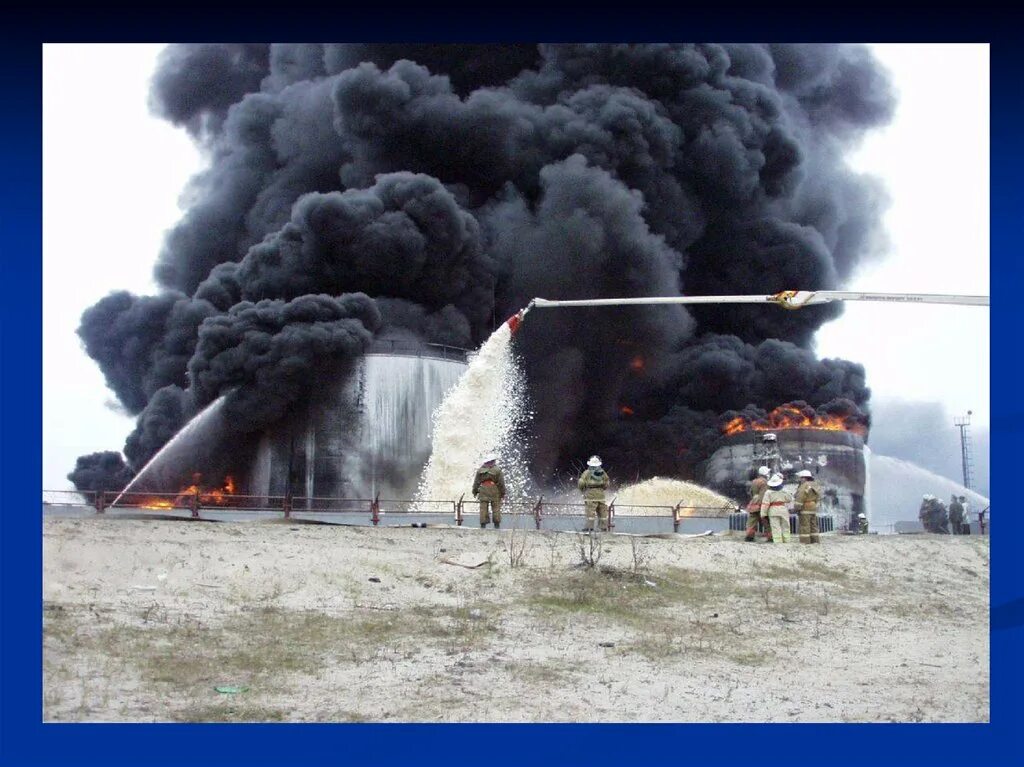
(485, 412)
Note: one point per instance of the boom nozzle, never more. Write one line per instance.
(516, 319)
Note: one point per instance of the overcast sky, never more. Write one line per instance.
(113, 175)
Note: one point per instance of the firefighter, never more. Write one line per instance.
(808, 494)
(489, 488)
(775, 508)
(593, 482)
(956, 515)
(862, 523)
(940, 517)
(967, 515)
(925, 514)
(757, 487)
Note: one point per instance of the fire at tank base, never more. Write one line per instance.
(366, 436)
(835, 458)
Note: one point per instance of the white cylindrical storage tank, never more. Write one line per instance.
(367, 435)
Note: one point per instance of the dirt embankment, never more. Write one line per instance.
(143, 619)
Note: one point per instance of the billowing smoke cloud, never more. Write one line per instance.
(451, 184)
(104, 471)
(197, 83)
(143, 343)
(276, 351)
(266, 356)
(404, 237)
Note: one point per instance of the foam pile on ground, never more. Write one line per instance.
(694, 499)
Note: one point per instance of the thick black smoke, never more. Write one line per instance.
(143, 343)
(452, 183)
(97, 472)
(197, 83)
(265, 357)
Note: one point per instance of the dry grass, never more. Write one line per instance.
(231, 710)
(807, 570)
(664, 616)
(548, 672)
(267, 648)
(660, 614)
(537, 634)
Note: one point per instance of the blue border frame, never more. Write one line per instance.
(24, 740)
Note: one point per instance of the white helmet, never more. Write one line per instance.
(805, 473)
(490, 457)
(775, 480)
(862, 515)
(769, 437)
(764, 471)
(594, 462)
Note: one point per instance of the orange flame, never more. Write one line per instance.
(626, 410)
(637, 364)
(791, 417)
(215, 497)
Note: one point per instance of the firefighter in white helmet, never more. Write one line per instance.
(775, 508)
(593, 482)
(808, 494)
(758, 485)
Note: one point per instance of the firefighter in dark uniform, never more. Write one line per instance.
(956, 515)
(489, 488)
(593, 482)
(758, 485)
(808, 494)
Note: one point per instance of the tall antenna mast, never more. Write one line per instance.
(966, 459)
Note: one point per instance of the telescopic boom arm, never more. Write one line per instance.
(787, 299)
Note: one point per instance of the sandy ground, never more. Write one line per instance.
(143, 619)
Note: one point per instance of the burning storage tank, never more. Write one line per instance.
(368, 433)
(835, 455)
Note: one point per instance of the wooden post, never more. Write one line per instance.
(194, 503)
(375, 510)
(537, 508)
(101, 498)
(458, 510)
